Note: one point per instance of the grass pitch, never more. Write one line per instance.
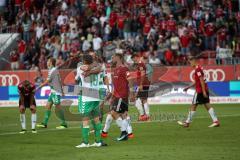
(161, 138)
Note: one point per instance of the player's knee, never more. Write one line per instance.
(33, 109)
(85, 122)
(114, 115)
(194, 107)
(22, 110)
(144, 100)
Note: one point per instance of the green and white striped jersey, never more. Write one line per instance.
(92, 87)
(55, 81)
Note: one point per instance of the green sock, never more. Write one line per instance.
(97, 131)
(46, 116)
(62, 118)
(85, 134)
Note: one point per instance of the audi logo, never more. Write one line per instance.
(9, 80)
(211, 75)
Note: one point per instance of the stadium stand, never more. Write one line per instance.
(163, 30)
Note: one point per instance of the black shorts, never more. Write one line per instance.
(27, 101)
(198, 98)
(143, 93)
(119, 105)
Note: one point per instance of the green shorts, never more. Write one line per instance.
(54, 99)
(89, 109)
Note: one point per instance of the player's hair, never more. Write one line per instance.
(53, 61)
(120, 56)
(88, 59)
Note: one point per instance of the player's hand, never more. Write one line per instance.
(32, 107)
(205, 94)
(21, 107)
(86, 74)
(185, 89)
(84, 68)
(140, 88)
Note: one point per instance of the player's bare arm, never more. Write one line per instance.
(43, 84)
(94, 68)
(203, 87)
(131, 86)
(190, 86)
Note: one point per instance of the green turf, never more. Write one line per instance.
(161, 139)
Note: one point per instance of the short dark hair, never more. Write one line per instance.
(120, 56)
(87, 59)
(53, 61)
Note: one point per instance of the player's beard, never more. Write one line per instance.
(114, 64)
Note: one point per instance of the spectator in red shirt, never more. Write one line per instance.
(142, 17)
(146, 27)
(171, 24)
(185, 43)
(14, 59)
(112, 18)
(209, 32)
(18, 4)
(21, 49)
(93, 5)
(27, 4)
(169, 57)
(222, 36)
(120, 24)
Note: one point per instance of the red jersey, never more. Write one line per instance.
(120, 82)
(120, 21)
(163, 25)
(141, 74)
(142, 18)
(93, 5)
(112, 19)
(14, 57)
(146, 28)
(18, 2)
(222, 34)
(27, 4)
(25, 90)
(209, 30)
(171, 25)
(21, 47)
(198, 73)
(185, 41)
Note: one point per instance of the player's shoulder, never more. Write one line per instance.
(199, 68)
(124, 68)
(20, 85)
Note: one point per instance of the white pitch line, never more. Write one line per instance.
(138, 122)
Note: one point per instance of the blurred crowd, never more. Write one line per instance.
(165, 31)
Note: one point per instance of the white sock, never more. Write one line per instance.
(122, 124)
(34, 120)
(190, 116)
(108, 122)
(212, 114)
(129, 128)
(139, 106)
(23, 120)
(119, 122)
(146, 108)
